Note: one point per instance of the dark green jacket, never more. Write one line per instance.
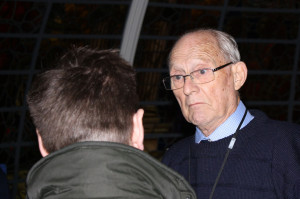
(104, 170)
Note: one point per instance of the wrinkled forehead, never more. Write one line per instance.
(196, 47)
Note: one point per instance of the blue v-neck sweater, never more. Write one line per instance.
(264, 163)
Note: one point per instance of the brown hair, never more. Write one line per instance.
(89, 96)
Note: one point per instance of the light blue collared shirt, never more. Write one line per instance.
(228, 127)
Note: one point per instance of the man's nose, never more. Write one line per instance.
(189, 86)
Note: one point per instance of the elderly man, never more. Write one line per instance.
(90, 133)
(235, 153)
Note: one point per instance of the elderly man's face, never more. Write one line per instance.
(205, 105)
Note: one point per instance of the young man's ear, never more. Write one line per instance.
(43, 151)
(137, 137)
(240, 72)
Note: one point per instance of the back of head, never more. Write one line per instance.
(89, 96)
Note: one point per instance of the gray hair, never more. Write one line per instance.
(226, 43)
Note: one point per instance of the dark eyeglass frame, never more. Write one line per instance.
(220, 67)
(184, 76)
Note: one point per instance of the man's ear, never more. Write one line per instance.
(239, 71)
(137, 137)
(43, 151)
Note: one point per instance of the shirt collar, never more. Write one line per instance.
(228, 127)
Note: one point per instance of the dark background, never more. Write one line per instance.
(34, 33)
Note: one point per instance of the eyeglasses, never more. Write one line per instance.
(200, 76)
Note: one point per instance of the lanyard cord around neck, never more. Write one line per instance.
(230, 146)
